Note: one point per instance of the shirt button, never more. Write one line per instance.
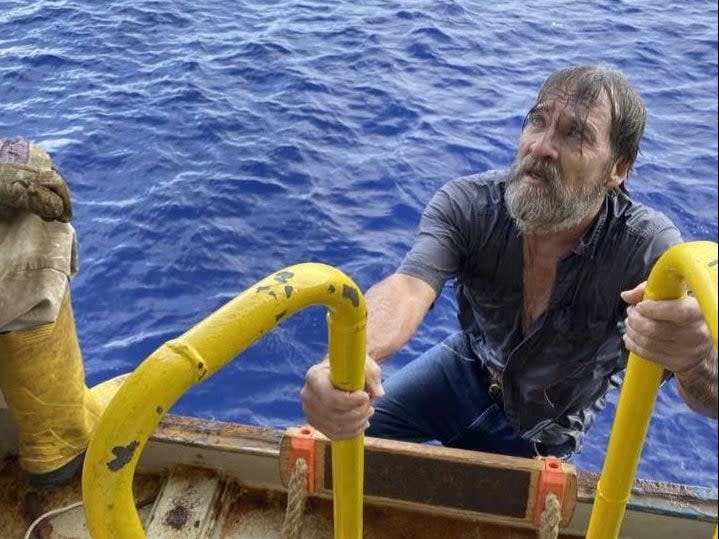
(494, 391)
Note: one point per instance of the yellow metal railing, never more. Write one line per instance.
(691, 264)
(177, 365)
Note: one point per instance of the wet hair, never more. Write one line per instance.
(583, 86)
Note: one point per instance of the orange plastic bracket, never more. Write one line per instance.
(552, 480)
(303, 447)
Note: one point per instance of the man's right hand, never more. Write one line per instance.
(340, 415)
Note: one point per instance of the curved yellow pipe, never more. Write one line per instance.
(693, 264)
(177, 365)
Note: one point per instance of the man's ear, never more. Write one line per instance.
(618, 173)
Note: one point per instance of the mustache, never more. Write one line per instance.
(541, 168)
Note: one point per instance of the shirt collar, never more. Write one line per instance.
(589, 242)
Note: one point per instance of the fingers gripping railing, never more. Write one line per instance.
(177, 365)
(689, 264)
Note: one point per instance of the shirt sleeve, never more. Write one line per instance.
(665, 238)
(441, 240)
(659, 235)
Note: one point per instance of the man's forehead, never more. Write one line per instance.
(569, 105)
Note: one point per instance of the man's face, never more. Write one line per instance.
(563, 167)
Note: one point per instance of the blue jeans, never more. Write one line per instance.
(444, 395)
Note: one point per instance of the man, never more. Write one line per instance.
(546, 258)
(41, 371)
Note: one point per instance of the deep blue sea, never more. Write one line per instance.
(208, 144)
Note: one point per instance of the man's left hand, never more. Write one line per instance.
(672, 333)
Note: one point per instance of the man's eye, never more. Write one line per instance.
(536, 120)
(575, 133)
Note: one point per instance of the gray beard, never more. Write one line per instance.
(553, 209)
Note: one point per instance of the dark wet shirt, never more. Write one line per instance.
(556, 376)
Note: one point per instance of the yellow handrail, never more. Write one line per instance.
(693, 264)
(177, 365)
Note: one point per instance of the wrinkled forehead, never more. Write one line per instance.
(581, 91)
(582, 105)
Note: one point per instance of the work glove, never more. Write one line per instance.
(30, 181)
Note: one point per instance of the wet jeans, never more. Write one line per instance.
(444, 395)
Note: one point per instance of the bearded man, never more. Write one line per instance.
(549, 260)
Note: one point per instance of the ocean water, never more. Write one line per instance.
(208, 144)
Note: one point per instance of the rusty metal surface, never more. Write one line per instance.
(20, 504)
(209, 433)
(246, 514)
(237, 508)
(187, 505)
(258, 514)
(650, 496)
(661, 498)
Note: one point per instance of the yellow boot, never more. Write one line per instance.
(43, 381)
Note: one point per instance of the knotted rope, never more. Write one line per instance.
(296, 499)
(549, 522)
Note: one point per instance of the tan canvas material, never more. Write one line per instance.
(37, 255)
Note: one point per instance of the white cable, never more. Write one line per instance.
(49, 514)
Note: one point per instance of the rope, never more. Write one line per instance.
(549, 522)
(296, 498)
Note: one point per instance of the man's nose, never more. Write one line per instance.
(544, 145)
